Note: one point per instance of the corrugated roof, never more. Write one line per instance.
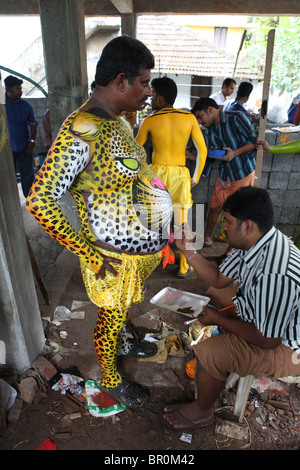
(178, 50)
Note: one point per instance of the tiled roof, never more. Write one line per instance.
(178, 50)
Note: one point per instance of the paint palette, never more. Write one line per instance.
(179, 301)
(216, 153)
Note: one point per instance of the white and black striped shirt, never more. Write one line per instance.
(269, 293)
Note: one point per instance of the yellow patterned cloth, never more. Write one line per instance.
(119, 292)
(178, 181)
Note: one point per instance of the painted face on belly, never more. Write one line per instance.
(137, 218)
(128, 207)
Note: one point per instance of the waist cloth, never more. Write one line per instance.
(177, 179)
(128, 287)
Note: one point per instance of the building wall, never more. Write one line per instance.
(233, 36)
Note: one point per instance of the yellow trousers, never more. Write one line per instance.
(114, 296)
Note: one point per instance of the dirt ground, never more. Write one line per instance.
(271, 419)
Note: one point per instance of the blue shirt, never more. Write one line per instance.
(235, 106)
(233, 131)
(292, 110)
(20, 115)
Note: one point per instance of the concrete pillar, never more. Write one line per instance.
(128, 25)
(63, 34)
(21, 333)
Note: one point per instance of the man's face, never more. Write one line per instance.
(154, 103)
(234, 231)
(138, 93)
(205, 117)
(14, 93)
(228, 90)
(197, 116)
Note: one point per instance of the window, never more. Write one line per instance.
(220, 37)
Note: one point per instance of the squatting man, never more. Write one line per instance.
(260, 335)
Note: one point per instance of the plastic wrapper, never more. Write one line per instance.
(61, 313)
(206, 332)
(100, 404)
(69, 382)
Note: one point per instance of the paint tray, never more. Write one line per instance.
(286, 130)
(179, 301)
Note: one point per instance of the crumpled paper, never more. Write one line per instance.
(68, 382)
(169, 342)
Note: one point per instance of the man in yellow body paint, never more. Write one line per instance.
(170, 130)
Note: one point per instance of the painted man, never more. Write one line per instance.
(124, 209)
(170, 130)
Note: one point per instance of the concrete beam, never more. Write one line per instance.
(123, 6)
(21, 329)
(213, 7)
(64, 45)
(128, 25)
(217, 7)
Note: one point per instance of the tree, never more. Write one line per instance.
(286, 54)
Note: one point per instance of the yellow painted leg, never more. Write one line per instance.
(181, 217)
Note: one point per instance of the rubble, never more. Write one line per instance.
(44, 367)
(271, 415)
(27, 389)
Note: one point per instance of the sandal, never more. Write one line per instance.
(183, 422)
(141, 350)
(131, 395)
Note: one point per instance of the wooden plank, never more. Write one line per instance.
(242, 395)
(37, 273)
(238, 52)
(264, 108)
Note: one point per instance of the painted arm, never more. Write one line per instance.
(65, 160)
(142, 133)
(200, 145)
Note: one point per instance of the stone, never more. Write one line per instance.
(149, 321)
(15, 411)
(233, 430)
(28, 387)
(44, 368)
(56, 359)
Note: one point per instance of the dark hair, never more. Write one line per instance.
(228, 81)
(123, 55)
(165, 87)
(12, 81)
(244, 89)
(251, 203)
(202, 104)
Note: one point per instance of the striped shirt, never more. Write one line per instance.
(233, 131)
(269, 293)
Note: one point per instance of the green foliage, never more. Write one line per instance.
(286, 54)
